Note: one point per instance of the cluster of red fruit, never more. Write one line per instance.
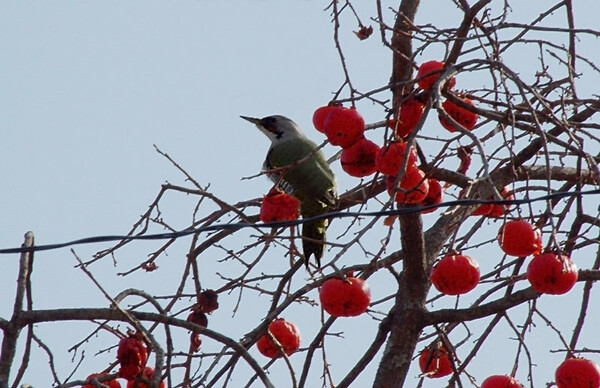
(132, 355)
(132, 352)
(572, 373)
(345, 127)
(427, 75)
(340, 297)
(548, 272)
(206, 304)
(361, 157)
(139, 382)
(410, 110)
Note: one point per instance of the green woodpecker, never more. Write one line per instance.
(308, 178)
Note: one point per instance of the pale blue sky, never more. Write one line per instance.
(87, 88)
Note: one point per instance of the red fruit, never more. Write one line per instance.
(435, 362)
(344, 126)
(279, 206)
(358, 160)
(455, 274)
(427, 81)
(410, 114)
(577, 373)
(483, 210)
(501, 381)
(320, 116)
(139, 383)
(434, 195)
(413, 186)
(390, 158)
(498, 210)
(519, 238)
(553, 274)
(494, 210)
(347, 297)
(132, 355)
(464, 117)
(109, 383)
(286, 333)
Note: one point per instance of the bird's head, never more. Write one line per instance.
(277, 128)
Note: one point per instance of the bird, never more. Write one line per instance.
(309, 177)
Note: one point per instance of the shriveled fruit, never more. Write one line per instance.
(320, 116)
(434, 195)
(110, 383)
(347, 297)
(358, 160)
(208, 301)
(140, 383)
(426, 81)
(195, 341)
(501, 381)
(455, 274)
(413, 186)
(279, 206)
(577, 373)
(199, 318)
(553, 274)
(464, 154)
(463, 116)
(364, 32)
(344, 126)
(132, 354)
(435, 362)
(411, 111)
(286, 333)
(519, 238)
(390, 158)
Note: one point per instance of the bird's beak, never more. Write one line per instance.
(253, 120)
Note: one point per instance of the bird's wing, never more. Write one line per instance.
(314, 176)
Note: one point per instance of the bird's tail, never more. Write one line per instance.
(313, 239)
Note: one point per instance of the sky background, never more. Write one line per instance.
(87, 88)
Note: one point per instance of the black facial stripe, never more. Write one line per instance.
(270, 124)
